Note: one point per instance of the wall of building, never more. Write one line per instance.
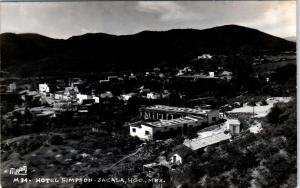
(140, 132)
(159, 115)
(97, 100)
(234, 128)
(178, 159)
(81, 97)
(213, 116)
(176, 126)
(44, 88)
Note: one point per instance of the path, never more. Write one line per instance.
(124, 158)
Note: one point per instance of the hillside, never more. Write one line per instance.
(32, 54)
(293, 39)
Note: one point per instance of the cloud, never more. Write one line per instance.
(167, 11)
(65, 19)
(279, 19)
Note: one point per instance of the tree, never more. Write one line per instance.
(191, 134)
(273, 116)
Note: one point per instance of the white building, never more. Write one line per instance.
(179, 154)
(205, 56)
(81, 97)
(147, 130)
(44, 88)
(126, 97)
(97, 99)
(163, 112)
(233, 125)
(12, 87)
(153, 95)
(207, 140)
(60, 95)
(214, 134)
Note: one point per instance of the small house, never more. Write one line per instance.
(179, 154)
(234, 126)
(153, 95)
(126, 97)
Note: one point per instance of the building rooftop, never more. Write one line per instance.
(177, 109)
(171, 122)
(233, 121)
(202, 142)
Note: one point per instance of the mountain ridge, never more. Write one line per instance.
(100, 52)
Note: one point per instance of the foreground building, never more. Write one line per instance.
(163, 112)
(217, 135)
(161, 120)
(150, 130)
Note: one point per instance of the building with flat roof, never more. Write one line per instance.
(161, 119)
(149, 130)
(214, 134)
(202, 142)
(164, 112)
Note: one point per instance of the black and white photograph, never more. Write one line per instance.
(154, 94)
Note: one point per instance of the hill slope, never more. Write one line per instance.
(30, 54)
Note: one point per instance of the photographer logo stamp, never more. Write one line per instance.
(21, 171)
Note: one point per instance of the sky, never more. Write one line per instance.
(66, 19)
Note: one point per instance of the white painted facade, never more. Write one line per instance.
(152, 95)
(213, 116)
(60, 96)
(233, 125)
(211, 74)
(44, 88)
(81, 97)
(97, 100)
(176, 159)
(146, 130)
(205, 56)
(126, 97)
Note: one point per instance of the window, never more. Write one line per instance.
(147, 133)
(174, 158)
(133, 130)
(214, 118)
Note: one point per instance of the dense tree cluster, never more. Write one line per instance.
(267, 159)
